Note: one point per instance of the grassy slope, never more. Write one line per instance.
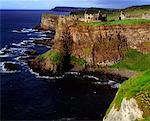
(134, 60)
(54, 56)
(138, 88)
(78, 61)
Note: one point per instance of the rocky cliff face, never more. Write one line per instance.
(129, 111)
(49, 21)
(96, 45)
(132, 101)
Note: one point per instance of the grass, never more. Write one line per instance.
(54, 56)
(78, 61)
(132, 88)
(118, 22)
(136, 11)
(49, 15)
(134, 60)
(145, 119)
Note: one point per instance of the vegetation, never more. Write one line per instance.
(138, 88)
(113, 14)
(87, 51)
(78, 61)
(145, 119)
(134, 60)
(118, 22)
(48, 15)
(54, 56)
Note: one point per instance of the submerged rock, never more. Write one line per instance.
(31, 52)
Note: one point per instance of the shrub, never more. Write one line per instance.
(78, 61)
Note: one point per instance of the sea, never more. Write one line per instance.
(25, 95)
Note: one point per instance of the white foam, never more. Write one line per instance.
(110, 82)
(4, 70)
(97, 83)
(73, 73)
(44, 77)
(91, 77)
(38, 38)
(24, 30)
(115, 86)
(19, 57)
(42, 35)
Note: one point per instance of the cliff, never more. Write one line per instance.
(79, 46)
(132, 101)
(49, 21)
(82, 46)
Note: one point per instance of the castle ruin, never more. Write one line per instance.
(91, 17)
(124, 16)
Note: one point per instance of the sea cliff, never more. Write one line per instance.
(84, 47)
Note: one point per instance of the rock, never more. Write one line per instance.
(11, 66)
(128, 111)
(46, 42)
(49, 22)
(31, 52)
(38, 27)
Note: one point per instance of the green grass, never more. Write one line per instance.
(145, 119)
(135, 11)
(78, 61)
(49, 15)
(134, 60)
(54, 56)
(136, 87)
(132, 88)
(118, 22)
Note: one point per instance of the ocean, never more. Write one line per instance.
(27, 96)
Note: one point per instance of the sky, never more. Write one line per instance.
(48, 4)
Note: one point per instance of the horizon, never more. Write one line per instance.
(76, 7)
(49, 4)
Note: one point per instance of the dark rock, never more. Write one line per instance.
(46, 42)
(31, 52)
(11, 66)
(6, 51)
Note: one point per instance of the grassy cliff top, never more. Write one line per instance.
(118, 22)
(49, 15)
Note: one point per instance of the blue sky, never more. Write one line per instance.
(48, 4)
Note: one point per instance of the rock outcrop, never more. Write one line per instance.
(129, 111)
(132, 101)
(49, 22)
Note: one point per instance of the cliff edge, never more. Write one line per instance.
(132, 101)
